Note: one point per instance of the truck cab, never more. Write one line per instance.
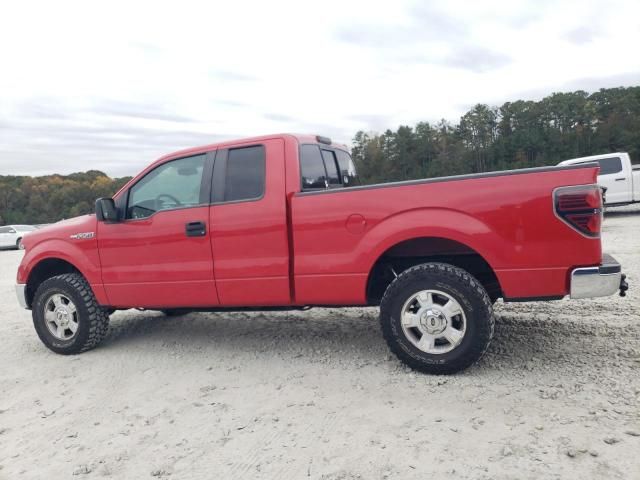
(618, 176)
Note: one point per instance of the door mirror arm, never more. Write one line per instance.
(106, 210)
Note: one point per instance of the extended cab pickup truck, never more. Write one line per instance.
(618, 176)
(278, 222)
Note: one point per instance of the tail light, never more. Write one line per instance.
(580, 207)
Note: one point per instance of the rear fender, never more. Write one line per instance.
(429, 222)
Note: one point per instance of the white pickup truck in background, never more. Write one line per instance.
(620, 178)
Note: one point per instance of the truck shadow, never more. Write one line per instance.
(333, 337)
(269, 333)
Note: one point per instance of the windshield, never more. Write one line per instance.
(24, 228)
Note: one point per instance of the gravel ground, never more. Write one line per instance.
(317, 395)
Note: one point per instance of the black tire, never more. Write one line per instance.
(19, 244)
(92, 319)
(460, 285)
(175, 312)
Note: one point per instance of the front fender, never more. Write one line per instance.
(81, 254)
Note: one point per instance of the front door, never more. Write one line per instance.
(159, 255)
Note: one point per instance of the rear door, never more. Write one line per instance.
(617, 181)
(160, 255)
(248, 221)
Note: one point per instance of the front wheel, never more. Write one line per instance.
(437, 318)
(19, 244)
(67, 316)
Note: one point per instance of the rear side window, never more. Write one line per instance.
(610, 165)
(244, 174)
(312, 167)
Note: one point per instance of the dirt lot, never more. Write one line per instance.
(317, 394)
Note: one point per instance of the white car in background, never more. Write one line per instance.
(11, 235)
(617, 175)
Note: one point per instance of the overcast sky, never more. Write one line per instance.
(113, 85)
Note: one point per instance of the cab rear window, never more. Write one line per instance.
(313, 173)
(323, 168)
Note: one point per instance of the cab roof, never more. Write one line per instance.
(301, 138)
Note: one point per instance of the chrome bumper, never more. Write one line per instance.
(21, 293)
(600, 281)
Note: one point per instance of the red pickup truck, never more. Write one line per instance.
(279, 222)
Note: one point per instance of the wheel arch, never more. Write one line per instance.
(54, 256)
(44, 269)
(409, 252)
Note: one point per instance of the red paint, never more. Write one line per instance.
(288, 248)
(355, 224)
(149, 262)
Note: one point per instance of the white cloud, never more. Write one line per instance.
(115, 85)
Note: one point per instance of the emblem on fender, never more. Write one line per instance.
(82, 236)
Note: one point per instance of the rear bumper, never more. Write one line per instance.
(21, 293)
(599, 281)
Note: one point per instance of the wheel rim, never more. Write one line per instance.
(61, 316)
(433, 321)
(20, 245)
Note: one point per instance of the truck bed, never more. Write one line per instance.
(505, 217)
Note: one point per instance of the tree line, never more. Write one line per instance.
(35, 200)
(515, 135)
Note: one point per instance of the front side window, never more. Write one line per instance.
(175, 184)
(5, 230)
(245, 174)
(610, 165)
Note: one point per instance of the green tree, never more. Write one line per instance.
(50, 198)
(518, 134)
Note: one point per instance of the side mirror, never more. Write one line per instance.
(106, 210)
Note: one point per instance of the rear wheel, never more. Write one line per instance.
(437, 318)
(67, 316)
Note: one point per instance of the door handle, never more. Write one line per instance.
(195, 229)
(620, 179)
